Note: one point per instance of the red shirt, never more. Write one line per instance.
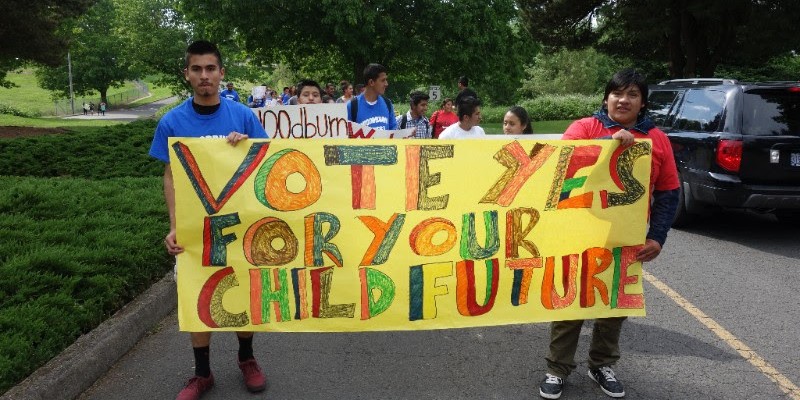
(441, 120)
(663, 172)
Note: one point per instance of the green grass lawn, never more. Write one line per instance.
(54, 122)
(29, 97)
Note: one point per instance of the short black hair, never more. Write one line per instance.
(199, 48)
(467, 107)
(524, 119)
(417, 97)
(307, 82)
(372, 71)
(463, 80)
(343, 85)
(625, 78)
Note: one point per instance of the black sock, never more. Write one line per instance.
(245, 348)
(202, 365)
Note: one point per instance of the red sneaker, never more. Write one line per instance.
(254, 379)
(196, 387)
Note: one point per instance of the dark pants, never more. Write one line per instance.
(603, 351)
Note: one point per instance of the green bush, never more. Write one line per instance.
(95, 153)
(493, 114)
(83, 218)
(548, 108)
(73, 252)
(163, 110)
(9, 110)
(561, 107)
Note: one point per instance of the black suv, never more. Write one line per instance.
(736, 144)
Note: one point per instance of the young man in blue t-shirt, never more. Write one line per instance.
(205, 115)
(371, 108)
(229, 93)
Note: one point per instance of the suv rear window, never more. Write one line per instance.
(770, 112)
(659, 103)
(701, 110)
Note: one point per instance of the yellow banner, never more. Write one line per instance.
(350, 235)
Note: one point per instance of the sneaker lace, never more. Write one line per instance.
(608, 373)
(552, 379)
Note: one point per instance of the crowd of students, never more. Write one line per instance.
(459, 118)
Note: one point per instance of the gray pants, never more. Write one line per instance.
(603, 351)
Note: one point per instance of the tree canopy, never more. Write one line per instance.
(434, 39)
(97, 56)
(692, 37)
(29, 31)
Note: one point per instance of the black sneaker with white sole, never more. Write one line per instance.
(604, 376)
(551, 387)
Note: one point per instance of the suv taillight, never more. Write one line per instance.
(729, 154)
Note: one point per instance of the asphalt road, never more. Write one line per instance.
(128, 114)
(737, 271)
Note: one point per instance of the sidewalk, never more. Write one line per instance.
(131, 114)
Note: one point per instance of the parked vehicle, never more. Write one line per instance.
(736, 144)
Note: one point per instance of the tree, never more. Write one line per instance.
(692, 37)
(570, 71)
(97, 57)
(429, 41)
(154, 35)
(29, 31)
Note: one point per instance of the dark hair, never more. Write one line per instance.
(623, 79)
(446, 99)
(307, 82)
(463, 80)
(344, 85)
(326, 98)
(285, 88)
(417, 97)
(372, 71)
(524, 119)
(199, 48)
(359, 87)
(467, 106)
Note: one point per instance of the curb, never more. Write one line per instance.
(73, 371)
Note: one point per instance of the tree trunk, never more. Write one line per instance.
(103, 95)
(689, 40)
(358, 71)
(676, 59)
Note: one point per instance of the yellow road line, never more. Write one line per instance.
(748, 354)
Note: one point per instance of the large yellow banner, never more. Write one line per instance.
(370, 235)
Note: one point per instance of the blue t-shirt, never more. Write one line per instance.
(376, 116)
(257, 103)
(184, 121)
(230, 95)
